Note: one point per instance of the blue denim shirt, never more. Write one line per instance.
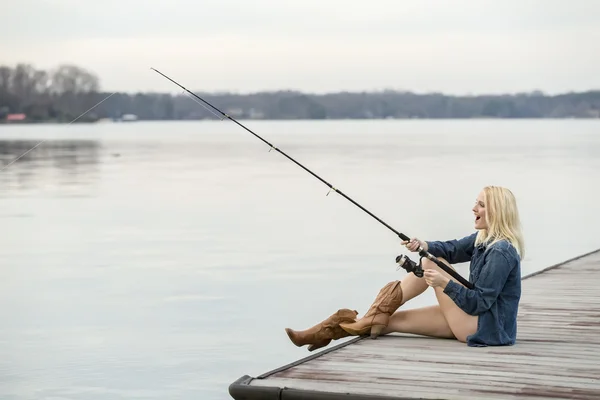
(495, 271)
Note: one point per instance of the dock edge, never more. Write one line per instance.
(242, 390)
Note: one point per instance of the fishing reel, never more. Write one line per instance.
(409, 265)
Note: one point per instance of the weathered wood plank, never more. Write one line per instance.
(432, 370)
(557, 354)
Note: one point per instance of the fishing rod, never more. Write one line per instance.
(403, 261)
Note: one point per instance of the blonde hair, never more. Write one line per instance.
(503, 220)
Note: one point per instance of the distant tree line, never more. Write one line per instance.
(64, 93)
(46, 95)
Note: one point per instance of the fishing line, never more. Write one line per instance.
(85, 112)
(402, 260)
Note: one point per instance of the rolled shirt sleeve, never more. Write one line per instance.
(454, 251)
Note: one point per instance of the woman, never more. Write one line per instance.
(483, 316)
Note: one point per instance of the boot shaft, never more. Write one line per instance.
(387, 301)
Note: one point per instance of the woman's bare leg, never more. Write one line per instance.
(428, 321)
(412, 286)
(461, 323)
(445, 320)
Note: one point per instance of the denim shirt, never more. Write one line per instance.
(495, 271)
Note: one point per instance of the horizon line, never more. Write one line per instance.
(532, 93)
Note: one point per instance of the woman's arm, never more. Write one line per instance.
(488, 286)
(454, 251)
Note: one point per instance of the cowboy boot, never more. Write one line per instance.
(321, 334)
(376, 319)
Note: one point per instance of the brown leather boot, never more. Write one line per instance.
(376, 319)
(321, 334)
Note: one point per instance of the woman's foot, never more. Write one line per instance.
(324, 332)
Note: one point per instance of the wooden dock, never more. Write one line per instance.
(557, 354)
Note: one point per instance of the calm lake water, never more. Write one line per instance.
(164, 260)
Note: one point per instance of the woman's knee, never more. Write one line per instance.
(427, 263)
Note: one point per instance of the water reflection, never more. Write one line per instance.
(171, 271)
(52, 164)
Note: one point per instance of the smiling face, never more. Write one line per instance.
(480, 212)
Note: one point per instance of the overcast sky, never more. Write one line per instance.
(450, 46)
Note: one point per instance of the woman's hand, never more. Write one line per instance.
(435, 279)
(414, 244)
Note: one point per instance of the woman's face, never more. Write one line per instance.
(480, 212)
